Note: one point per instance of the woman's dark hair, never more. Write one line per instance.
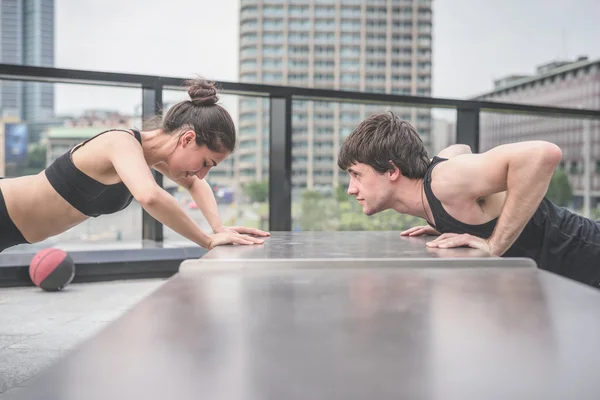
(213, 125)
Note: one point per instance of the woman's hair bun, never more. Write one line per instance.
(203, 92)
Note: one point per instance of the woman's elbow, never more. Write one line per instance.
(148, 197)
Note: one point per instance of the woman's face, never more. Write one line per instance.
(189, 159)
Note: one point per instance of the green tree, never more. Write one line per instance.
(560, 191)
(36, 157)
(318, 212)
(257, 191)
(341, 194)
(351, 217)
(36, 160)
(341, 212)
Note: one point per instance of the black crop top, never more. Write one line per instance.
(86, 194)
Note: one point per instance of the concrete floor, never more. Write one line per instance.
(37, 328)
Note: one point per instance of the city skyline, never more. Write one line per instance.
(488, 42)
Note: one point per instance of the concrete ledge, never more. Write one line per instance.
(104, 265)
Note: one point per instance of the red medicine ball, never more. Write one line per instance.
(51, 269)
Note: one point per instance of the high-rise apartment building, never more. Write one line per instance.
(38, 50)
(562, 83)
(11, 52)
(27, 37)
(379, 46)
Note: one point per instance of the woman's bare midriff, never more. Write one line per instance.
(36, 209)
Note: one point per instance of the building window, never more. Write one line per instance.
(574, 168)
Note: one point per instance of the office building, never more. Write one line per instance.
(561, 83)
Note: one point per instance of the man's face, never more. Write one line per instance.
(371, 188)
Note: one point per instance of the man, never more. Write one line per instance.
(494, 201)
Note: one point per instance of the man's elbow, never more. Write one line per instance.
(551, 154)
(546, 156)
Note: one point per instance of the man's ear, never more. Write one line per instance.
(395, 172)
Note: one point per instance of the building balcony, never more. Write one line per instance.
(140, 227)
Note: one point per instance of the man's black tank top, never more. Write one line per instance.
(555, 238)
(86, 194)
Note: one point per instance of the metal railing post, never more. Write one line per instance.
(280, 164)
(152, 104)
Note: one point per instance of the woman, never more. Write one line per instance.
(103, 174)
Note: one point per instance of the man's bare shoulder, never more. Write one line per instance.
(448, 181)
(454, 150)
(482, 174)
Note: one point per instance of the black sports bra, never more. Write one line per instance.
(86, 194)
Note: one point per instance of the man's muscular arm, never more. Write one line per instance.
(522, 169)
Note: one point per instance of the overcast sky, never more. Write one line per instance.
(475, 42)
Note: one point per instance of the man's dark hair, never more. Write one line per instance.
(383, 138)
